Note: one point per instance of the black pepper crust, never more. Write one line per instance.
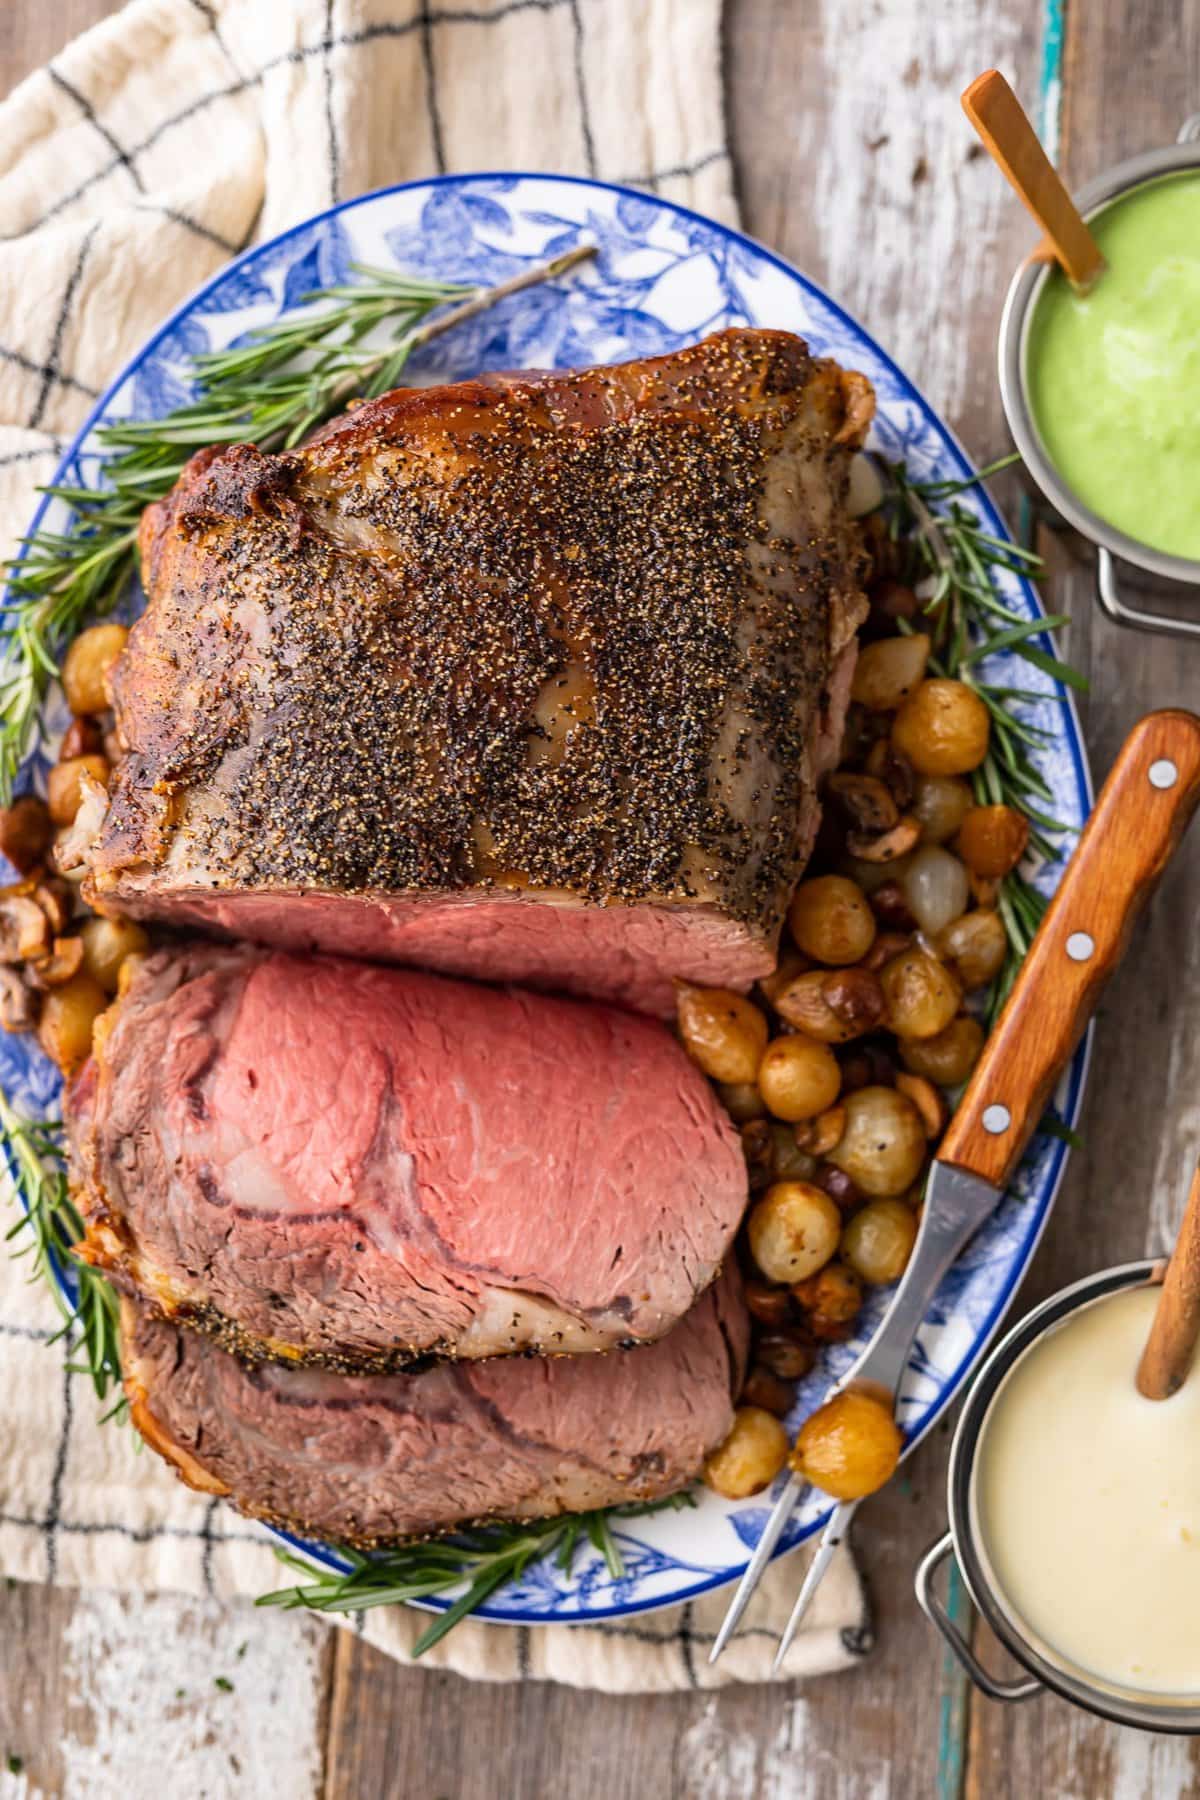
(568, 632)
(400, 1359)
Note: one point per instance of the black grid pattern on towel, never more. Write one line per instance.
(429, 21)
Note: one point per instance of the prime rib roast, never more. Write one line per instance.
(367, 1459)
(529, 678)
(322, 1161)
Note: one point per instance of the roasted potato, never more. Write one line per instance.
(831, 920)
(751, 1456)
(798, 1077)
(991, 840)
(949, 1057)
(849, 1447)
(920, 993)
(883, 1146)
(794, 1230)
(942, 728)
(86, 667)
(722, 1031)
(888, 670)
(878, 1241)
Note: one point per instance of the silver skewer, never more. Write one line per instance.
(835, 1530)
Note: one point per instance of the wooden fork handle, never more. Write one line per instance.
(1143, 811)
(1000, 120)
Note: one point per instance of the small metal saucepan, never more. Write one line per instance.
(1177, 573)
(966, 1541)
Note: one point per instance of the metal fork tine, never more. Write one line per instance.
(831, 1537)
(783, 1510)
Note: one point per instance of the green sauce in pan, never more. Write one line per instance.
(1114, 375)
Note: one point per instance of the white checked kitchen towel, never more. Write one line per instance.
(148, 153)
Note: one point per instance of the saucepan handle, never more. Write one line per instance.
(935, 1612)
(1135, 618)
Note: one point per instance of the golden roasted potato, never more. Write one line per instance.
(794, 1230)
(750, 1457)
(949, 1057)
(976, 945)
(106, 944)
(888, 670)
(798, 1077)
(878, 1241)
(883, 1146)
(921, 994)
(63, 785)
(942, 728)
(86, 666)
(849, 1447)
(722, 1031)
(831, 920)
(991, 840)
(68, 1014)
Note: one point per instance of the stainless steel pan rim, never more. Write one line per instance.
(1165, 1713)
(1019, 305)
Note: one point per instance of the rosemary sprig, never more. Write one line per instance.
(92, 1323)
(953, 562)
(484, 1559)
(272, 389)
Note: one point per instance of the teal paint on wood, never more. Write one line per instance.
(1051, 88)
(955, 1697)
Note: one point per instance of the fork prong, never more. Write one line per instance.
(831, 1537)
(772, 1531)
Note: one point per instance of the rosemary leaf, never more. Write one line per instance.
(54, 1226)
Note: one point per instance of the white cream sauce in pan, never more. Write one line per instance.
(1087, 1502)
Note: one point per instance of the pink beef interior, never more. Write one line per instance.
(352, 1163)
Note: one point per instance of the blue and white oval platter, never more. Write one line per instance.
(662, 277)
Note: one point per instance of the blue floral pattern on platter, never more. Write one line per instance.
(662, 276)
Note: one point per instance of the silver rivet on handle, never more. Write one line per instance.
(1080, 946)
(1163, 773)
(996, 1119)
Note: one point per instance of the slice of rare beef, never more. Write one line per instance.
(368, 1459)
(529, 678)
(325, 1161)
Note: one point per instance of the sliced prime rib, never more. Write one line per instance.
(324, 1161)
(368, 1459)
(528, 678)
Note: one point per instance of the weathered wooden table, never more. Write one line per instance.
(853, 160)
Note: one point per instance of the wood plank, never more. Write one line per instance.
(868, 1731)
(1141, 1127)
(109, 1694)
